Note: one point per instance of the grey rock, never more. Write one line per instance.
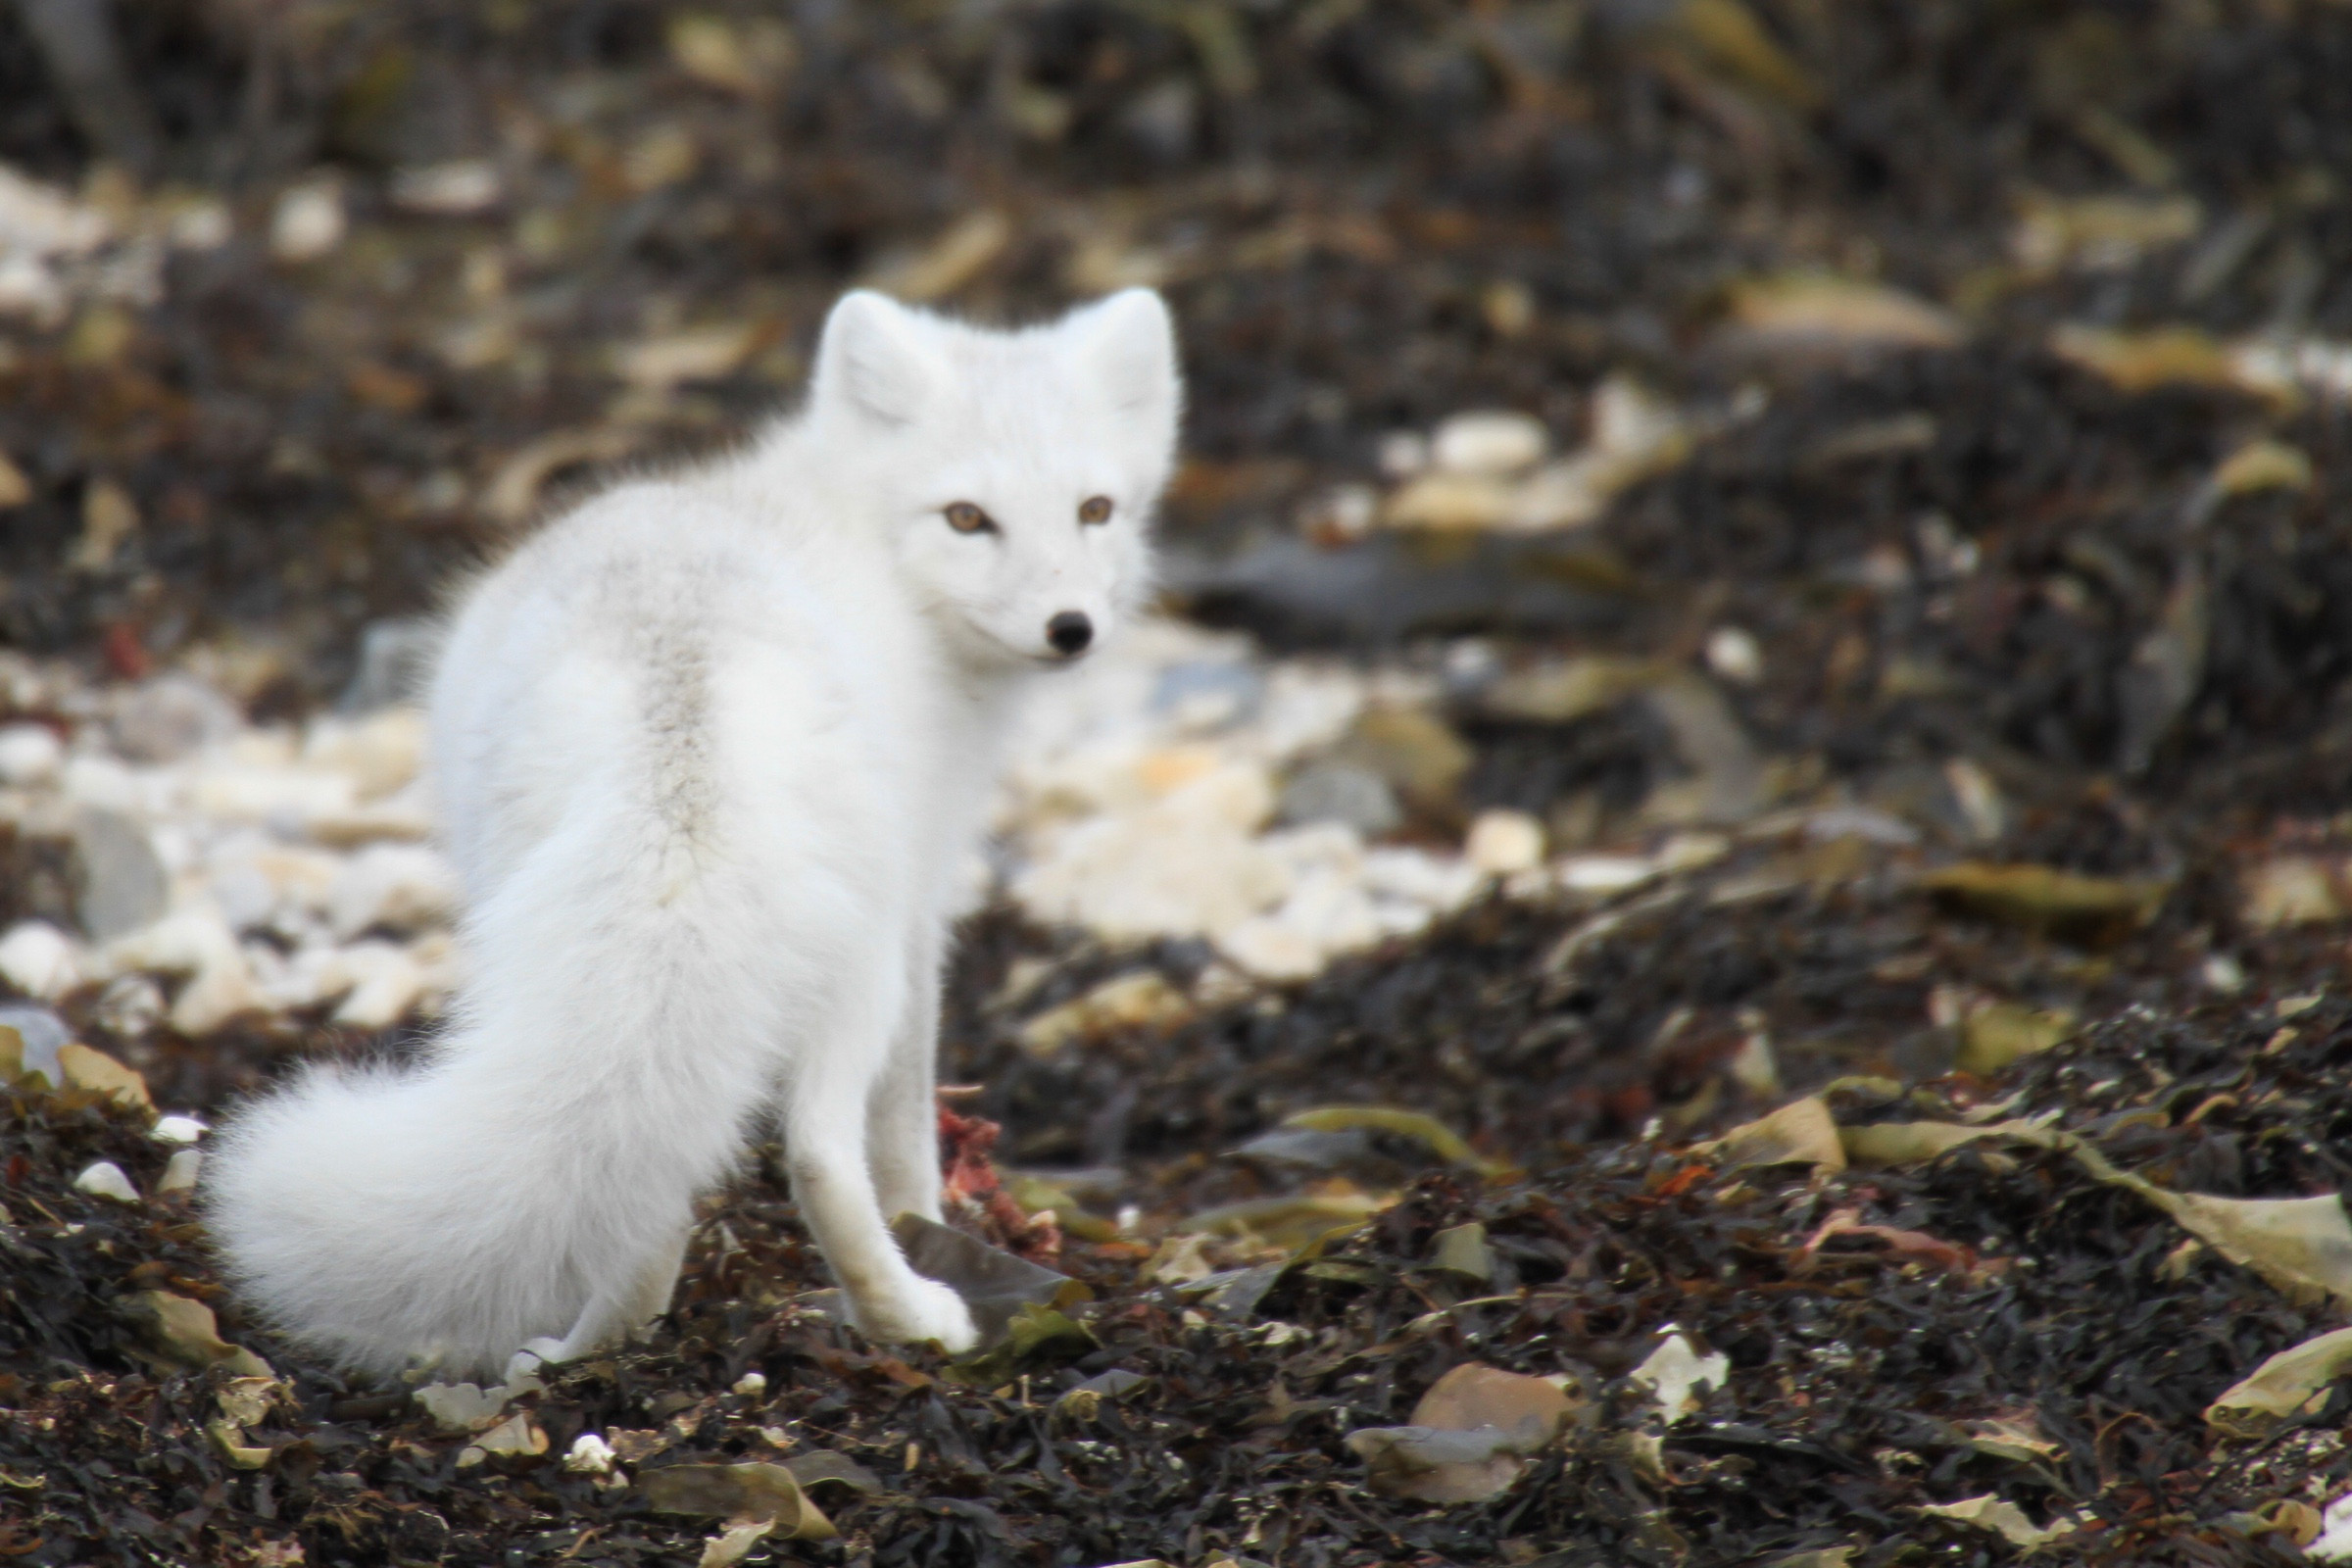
(124, 884)
(165, 718)
(1211, 692)
(1340, 792)
(43, 1033)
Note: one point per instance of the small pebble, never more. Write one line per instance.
(44, 1035)
(1502, 843)
(1733, 654)
(751, 1384)
(308, 222)
(179, 1128)
(1489, 443)
(2224, 974)
(105, 1179)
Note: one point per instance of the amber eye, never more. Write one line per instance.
(964, 517)
(1095, 509)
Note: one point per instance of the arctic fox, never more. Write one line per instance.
(712, 752)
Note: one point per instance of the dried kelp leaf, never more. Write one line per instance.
(2067, 905)
(1475, 1394)
(1463, 1249)
(245, 1401)
(516, 1436)
(2301, 1245)
(1424, 1129)
(732, 1545)
(1234, 1294)
(2100, 233)
(1292, 1221)
(994, 1284)
(2143, 361)
(1820, 307)
(2294, 1383)
(1035, 1337)
(1085, 1401)
(2002, 1517)
(12, 1058)
(2016, 1438)
(1471, 1435)
(460, 1406)
(186, 1332)
(756, 1491)
(1907, 1245)
(821, 1464)
(1452, 501)
(1142, 1000)
(1823, 1557)
(1904, 1143)
(1996, 1035)
(1417, 752)
(230, 1443)
(1435, 1465)
(2263, 464)
(1800, 1133)
(87, 1068)
(1730, 38)
(1564, 691)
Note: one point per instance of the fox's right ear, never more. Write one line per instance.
(874, 358)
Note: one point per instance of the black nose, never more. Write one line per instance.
(1069, 632)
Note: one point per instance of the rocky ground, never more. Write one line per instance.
(1710, 930)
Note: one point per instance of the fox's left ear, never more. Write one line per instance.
(1128, 343)
(875, 357)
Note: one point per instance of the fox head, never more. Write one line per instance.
(1015, 472)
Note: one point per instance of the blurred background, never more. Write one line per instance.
(335, 290)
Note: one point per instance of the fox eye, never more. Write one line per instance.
(1095, 509)
(964, 517)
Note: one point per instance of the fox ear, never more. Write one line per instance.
(1128, 342)
(874, 358)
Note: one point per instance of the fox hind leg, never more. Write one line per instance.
(613, 1312)
(902, 1109)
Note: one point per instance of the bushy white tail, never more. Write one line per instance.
(540, 1168)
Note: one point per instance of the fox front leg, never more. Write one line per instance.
(825, 1114)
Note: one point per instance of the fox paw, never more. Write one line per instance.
(535, 1355)
(925, 1310)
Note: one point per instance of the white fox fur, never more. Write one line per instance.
(712, 752)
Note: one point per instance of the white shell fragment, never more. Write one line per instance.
(589, 1455)
(1676, 1372)
(105, 1179)
(179, 1128)
(179, 1173)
